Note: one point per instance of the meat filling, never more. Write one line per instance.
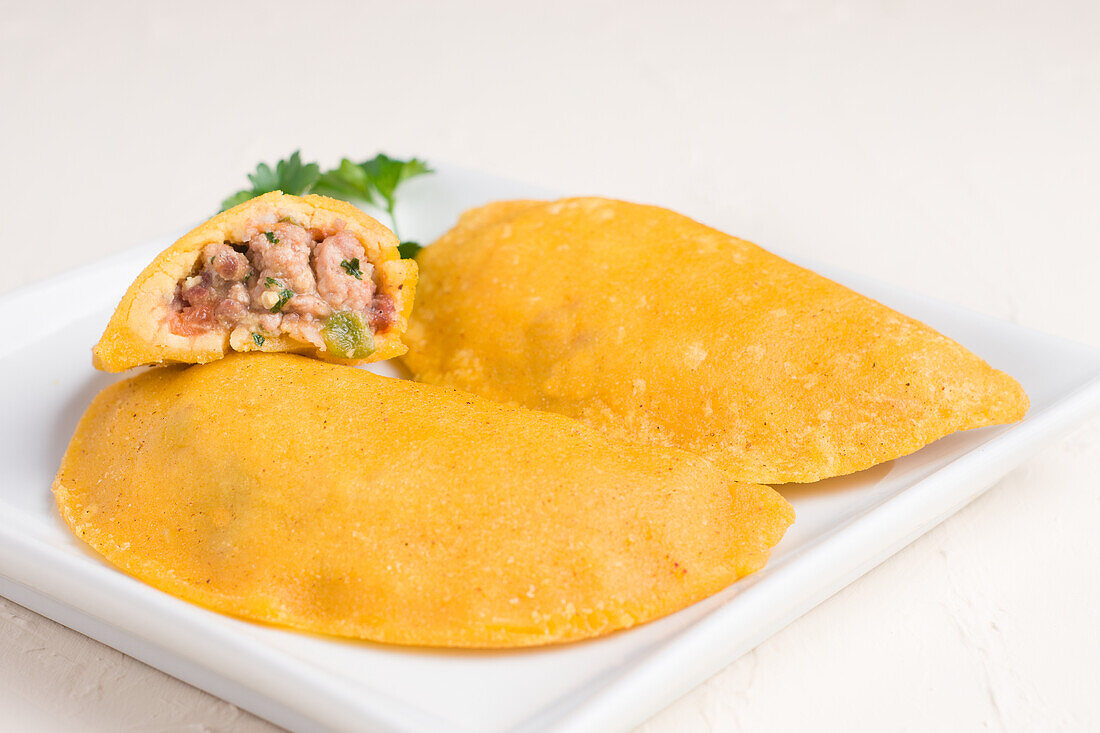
(316, 287)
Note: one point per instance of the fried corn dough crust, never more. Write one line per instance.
(286, 490)
(139, 333)
(656, 329)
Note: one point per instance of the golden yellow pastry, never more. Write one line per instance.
(306, 274)
(287, 490)
(659, 330)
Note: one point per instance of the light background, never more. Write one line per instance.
(948, 147)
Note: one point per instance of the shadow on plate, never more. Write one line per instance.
(860, 480)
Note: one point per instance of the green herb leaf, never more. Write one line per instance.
(352, 268)
(387, 174)
(373, 181)
(285, 294)
(290, 176)
(284, 297)
(238, 198)
(258, 339)
(408, 250)
(271, 237)
(348, 181)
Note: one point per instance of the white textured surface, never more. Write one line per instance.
(948, 147)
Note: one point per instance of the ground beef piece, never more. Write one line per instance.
(193, 320)
(226, 262)
(270, 322)
(282, 254)
(383, 312)
(339, 287)
(229, 313)
(302, 329)
(199, 290)
(309, 305)
(239, 293)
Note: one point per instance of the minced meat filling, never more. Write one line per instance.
(315, 287)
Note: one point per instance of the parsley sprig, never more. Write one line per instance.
(289, 176)
(374, 182)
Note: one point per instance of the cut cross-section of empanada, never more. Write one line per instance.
(306, 274)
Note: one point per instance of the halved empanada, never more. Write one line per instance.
(307, 274)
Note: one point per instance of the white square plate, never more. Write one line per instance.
(305, 682)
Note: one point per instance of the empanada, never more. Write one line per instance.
(659, 330)
(283, 489)
(306, 274)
